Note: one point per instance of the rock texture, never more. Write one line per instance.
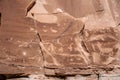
(59, 37)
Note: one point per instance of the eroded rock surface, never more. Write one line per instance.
(58, 39)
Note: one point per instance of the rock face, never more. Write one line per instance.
(59, 37)
(101, 44)
(18, 44)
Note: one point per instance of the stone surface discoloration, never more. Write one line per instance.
(64, 44)
(109, 77)
(49, 40)
(102, 44)
(19, 48)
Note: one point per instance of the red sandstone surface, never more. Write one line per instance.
(59, 37)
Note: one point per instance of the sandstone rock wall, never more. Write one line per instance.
(59, 37)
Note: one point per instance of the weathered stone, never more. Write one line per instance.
(78, 77)
(62, 44)
(19, 46)
(19, 79)
(109, 77)
(115, 5)
(44, 36)
(103, 49)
